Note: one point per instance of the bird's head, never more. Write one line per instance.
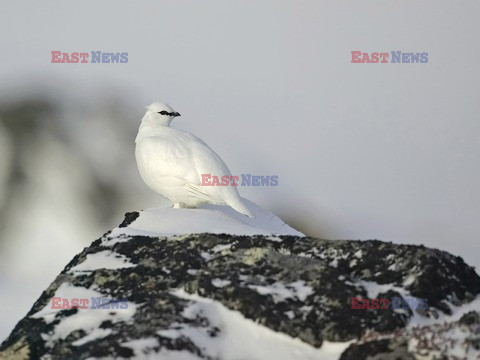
(160, 114)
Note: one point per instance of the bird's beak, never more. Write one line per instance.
(175, 114)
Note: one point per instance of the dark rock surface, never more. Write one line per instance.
(299, 286)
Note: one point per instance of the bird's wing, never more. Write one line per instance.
(207, 161)
(198, 191)
(167, 156)
(184, 157)
(191, 155)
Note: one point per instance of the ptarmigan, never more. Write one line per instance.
(171, 162)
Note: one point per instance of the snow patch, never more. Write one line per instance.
(409, 280)
(281, 292)
(219, 283)
(457, 313)
(235, 332)
(220, 248)
(88, 320)
(373, 289)
(94, 335)
(102, 260)
(143, 347)
(216, 219)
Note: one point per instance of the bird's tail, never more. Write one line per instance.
(240, 206)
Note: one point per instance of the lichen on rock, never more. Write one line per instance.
(184, 292)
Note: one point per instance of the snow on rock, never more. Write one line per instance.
(449, 340)
(419, 317)
(145, 348)
(87, 320)
(208, 218)
(231, 295)
(235, 331)
(281, 292)
(106, 259)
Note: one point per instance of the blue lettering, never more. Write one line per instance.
(265, 180)
(415, 57)
(406, 57)
(246, 178)
(409, 304)
(114, 304)
(96, 56)
(106, 58)
(115, 57)
(96, 302)
(424, 57)
(106, 303)
(124, 57)
(396, 57)
(123, 304)
(396, 302)
(423, 304)
(274, 180)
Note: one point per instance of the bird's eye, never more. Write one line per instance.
(163, 112)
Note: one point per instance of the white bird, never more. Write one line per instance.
(171, 162)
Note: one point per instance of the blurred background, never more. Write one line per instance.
(362, 151)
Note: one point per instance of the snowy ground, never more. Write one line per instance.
(209, 218)
(234, 330)
(240, 338)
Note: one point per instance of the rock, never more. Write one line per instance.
(226, 296)
(454, 340)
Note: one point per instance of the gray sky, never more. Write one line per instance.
(386, 151)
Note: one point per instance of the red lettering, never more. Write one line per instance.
(365, 58)
(56, 56)
(384, 57)
(84, 57)
(65, 304)
(356, 56)
(225, 180)
(83, 303)
(74, 57)
(65, 58)
(55, 303)
(384, 303)
(234, 179)
(365, 304)
(75, 303)
(205, 178)
(356, 303)
(215, 181)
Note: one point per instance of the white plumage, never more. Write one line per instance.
(172, 161)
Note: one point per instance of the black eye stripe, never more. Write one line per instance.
(173, 113)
